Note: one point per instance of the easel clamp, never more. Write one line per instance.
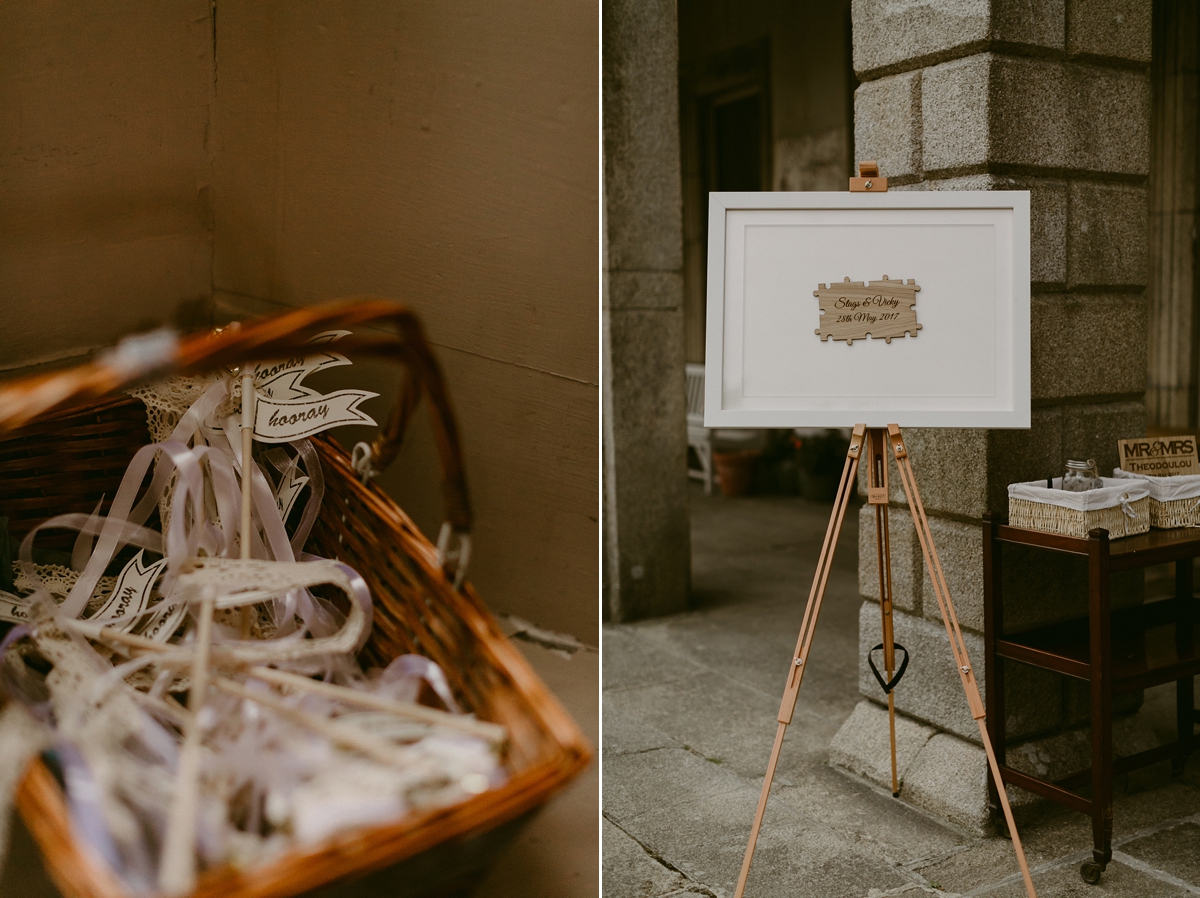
(868, 180)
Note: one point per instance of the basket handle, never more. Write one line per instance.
(159, 353)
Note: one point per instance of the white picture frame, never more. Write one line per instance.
(968, 366)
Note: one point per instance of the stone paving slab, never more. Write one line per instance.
(867, 816)
(626, 733)
(772, 566)
(697, 818)
(1175, 851)
(1064, 881)
(724, 720)
(631, 871)
(758, 651)
(721, 720)
(628, 664)
(665, 780)
(986, 861)
(1061, 834)
(1138, 811)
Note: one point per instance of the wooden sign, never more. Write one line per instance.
(1160, 456)
(880, 309)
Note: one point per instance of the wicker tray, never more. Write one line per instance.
(66, 455)
(1174, 501)
(1121, 507)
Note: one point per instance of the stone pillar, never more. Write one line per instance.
(1050, 96)
(647, 544)
(1172, 393)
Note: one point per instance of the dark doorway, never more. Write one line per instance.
(726, 145)
(735, 148)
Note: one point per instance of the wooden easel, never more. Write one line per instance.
(876, 440)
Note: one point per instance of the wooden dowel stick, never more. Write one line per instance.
(247, 461)
(121, 638)
(177, 869)
(168, 707)
(247, 476)
(492, 732)
(369, 744)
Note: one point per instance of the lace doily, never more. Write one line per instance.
(168, 400)
(58, 581)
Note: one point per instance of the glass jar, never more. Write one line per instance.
(1081, 476)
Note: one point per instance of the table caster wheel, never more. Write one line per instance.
(1090, 872)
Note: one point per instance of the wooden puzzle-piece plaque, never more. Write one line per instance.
(879, 309)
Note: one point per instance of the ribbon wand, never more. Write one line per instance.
(247, 471)
(177, 872)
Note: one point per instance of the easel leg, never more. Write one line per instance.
(877, 495)
(889, 643)
(807, 627)
(957, 646)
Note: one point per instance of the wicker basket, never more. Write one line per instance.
(64, 456)
(1174, 501)
(1120, 507)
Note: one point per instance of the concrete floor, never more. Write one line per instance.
(689, 705)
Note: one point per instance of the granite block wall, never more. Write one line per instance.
(1050, 96)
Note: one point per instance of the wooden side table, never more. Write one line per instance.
(1115, 651)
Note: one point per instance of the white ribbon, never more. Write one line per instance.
(1128, 510)
(205, 507)
(460, 556)
(363, 464)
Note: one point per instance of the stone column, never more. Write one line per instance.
(1050, 96)
(1172, 394)
(647, 544)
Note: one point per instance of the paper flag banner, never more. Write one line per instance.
(281, 380)
(131, 595)
(164, 621)
(282, 422)
(289, 490)
(14, 609)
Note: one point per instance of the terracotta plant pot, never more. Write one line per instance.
(735, 470)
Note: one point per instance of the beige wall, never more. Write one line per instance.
(444, 155)
(105, 174)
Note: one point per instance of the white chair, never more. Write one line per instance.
(699, 436)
